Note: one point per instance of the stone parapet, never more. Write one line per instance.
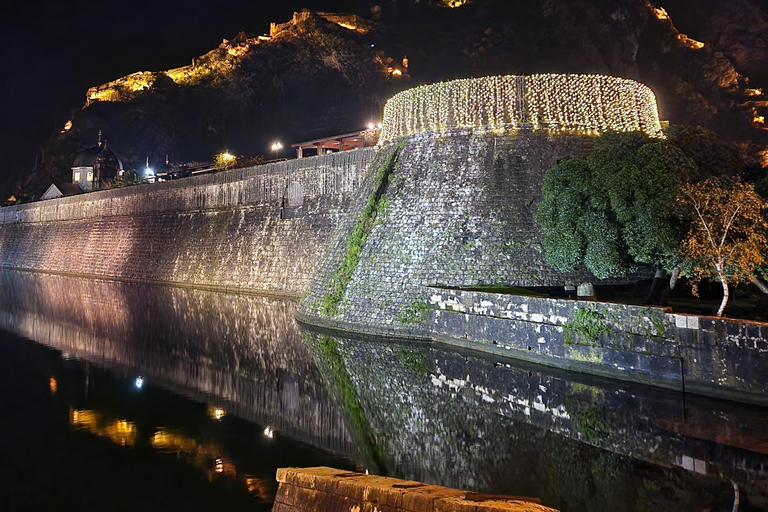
(324, 489)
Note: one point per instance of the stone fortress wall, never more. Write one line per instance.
(221, 230)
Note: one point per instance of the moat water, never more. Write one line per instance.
(123, 397)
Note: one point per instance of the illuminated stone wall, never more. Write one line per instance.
(220, 230)
(585, 104)
(460, 210)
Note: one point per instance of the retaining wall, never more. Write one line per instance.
(708, 355)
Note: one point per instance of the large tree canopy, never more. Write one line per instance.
(615, 208)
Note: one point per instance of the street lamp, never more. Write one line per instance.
(276, 147)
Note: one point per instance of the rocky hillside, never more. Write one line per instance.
(327, 74)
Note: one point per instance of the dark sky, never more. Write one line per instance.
(53, 50)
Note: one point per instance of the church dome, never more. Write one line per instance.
(99, 153)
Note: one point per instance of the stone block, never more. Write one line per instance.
(422, 499)
(454, 505)
(382, 490)
(512, 506)
(282, 507)
(309, 500)
(286, 494)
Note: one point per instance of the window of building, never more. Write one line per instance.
(76, 178)
(89, 176)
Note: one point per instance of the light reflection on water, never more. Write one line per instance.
(411, 411)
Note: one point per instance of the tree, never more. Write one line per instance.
(615, 208)
(225, 160)
(727, 239)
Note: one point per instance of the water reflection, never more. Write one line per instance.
(412, 411)
(580, 443)
(243, 353)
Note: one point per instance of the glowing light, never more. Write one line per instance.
(216, 412)
(396, 72)
(371, 126)
(120, 432)
(758, 119)
(139, 382)
(585, 104)
(660, 13)
(67, 127)
(753, 92)
(690, 43)
(53, 385)
(276, 147)
(219, 466)
(269, 432)
(238, 51)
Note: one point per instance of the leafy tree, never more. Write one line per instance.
(727, 240)
(225, 160)
(616, 207)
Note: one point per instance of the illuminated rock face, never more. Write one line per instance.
(584, 104)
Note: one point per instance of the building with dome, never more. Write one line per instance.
(95, 166)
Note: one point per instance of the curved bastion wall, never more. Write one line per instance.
(455, 210)
(455, 205)
(582, 104)
(222, 231)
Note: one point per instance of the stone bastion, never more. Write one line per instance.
(452, 199)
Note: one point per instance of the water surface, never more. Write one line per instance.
(232, 388)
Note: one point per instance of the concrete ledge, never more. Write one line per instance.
(324, 489)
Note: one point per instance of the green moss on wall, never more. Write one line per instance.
(377, 202)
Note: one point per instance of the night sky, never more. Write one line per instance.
(54, 50)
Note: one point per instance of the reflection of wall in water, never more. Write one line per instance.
(241, 349)
(466, 422)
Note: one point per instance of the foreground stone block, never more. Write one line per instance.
(324, 489)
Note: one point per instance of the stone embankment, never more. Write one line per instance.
(325, 489)
(708, 355)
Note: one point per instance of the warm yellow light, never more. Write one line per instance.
(67, 127)
(216, 412)
(753, 92)
(53, 385)
(277, 146)
(238, 51)
(121, 432)
(661, 13)
(758, 119)
(690, 43)
(586, 104)
(396, 72)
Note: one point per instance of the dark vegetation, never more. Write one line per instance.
(684, 205)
